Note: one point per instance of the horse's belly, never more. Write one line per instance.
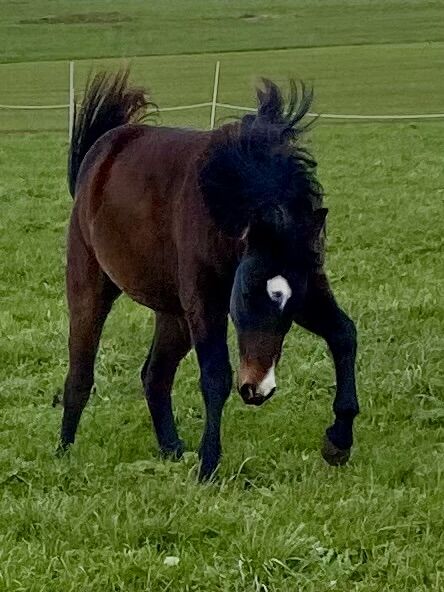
(140, 261)
(150, 292)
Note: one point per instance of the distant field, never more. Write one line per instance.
(48, 30)
(277, 519)
(362, 57)
(357, 80)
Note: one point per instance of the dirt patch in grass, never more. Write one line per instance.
(84, 18)
(249, 17)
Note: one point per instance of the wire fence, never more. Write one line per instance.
(213, 105)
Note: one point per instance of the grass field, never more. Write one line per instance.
(277, 519)
(47, 30)
(363, 56)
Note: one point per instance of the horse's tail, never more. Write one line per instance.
(108, 102)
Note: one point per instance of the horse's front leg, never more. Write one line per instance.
(216, 380)
(323, 316)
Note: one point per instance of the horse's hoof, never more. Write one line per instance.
(62, 450)
(173, 451)
(207, 473)
(207, 468)
(333, 455)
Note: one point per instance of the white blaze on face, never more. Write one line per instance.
(268, 383)
(279, 290)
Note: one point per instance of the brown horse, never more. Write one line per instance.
(197, 225)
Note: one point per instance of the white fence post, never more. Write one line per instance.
(71, 100)
(214, 101)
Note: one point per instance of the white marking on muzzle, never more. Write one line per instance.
(268, 383)
(278, 289)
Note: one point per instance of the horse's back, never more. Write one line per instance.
(141, 153)
(129, 203)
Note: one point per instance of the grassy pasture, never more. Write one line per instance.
(356, 80)
(48, 30)
(278, 519)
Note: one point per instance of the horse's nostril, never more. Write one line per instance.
(250, 395)
(247, 391)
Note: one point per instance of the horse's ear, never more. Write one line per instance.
(319, 217)
(270, 103)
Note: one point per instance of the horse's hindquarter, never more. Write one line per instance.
(129, 204)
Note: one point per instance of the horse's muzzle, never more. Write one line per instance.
(250, 395)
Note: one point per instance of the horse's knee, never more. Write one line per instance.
(217, 385)
(78, 388)
(351, 332)
(343, 337)
(75, 399)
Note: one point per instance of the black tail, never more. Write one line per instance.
(108, 102)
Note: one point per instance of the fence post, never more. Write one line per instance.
(215, 89)
(71, 100)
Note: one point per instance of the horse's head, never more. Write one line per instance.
(269, 289)
(259, 185)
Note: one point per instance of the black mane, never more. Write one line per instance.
(256, 165)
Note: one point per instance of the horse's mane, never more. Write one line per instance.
(258, 163)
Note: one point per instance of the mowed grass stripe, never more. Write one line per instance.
(45, 30)
(395, 79)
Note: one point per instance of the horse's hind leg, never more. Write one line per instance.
(90, 296)
(171, 343)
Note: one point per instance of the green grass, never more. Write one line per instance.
(92, 29)
(357, 81)
(363, 57)
(277, 519)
